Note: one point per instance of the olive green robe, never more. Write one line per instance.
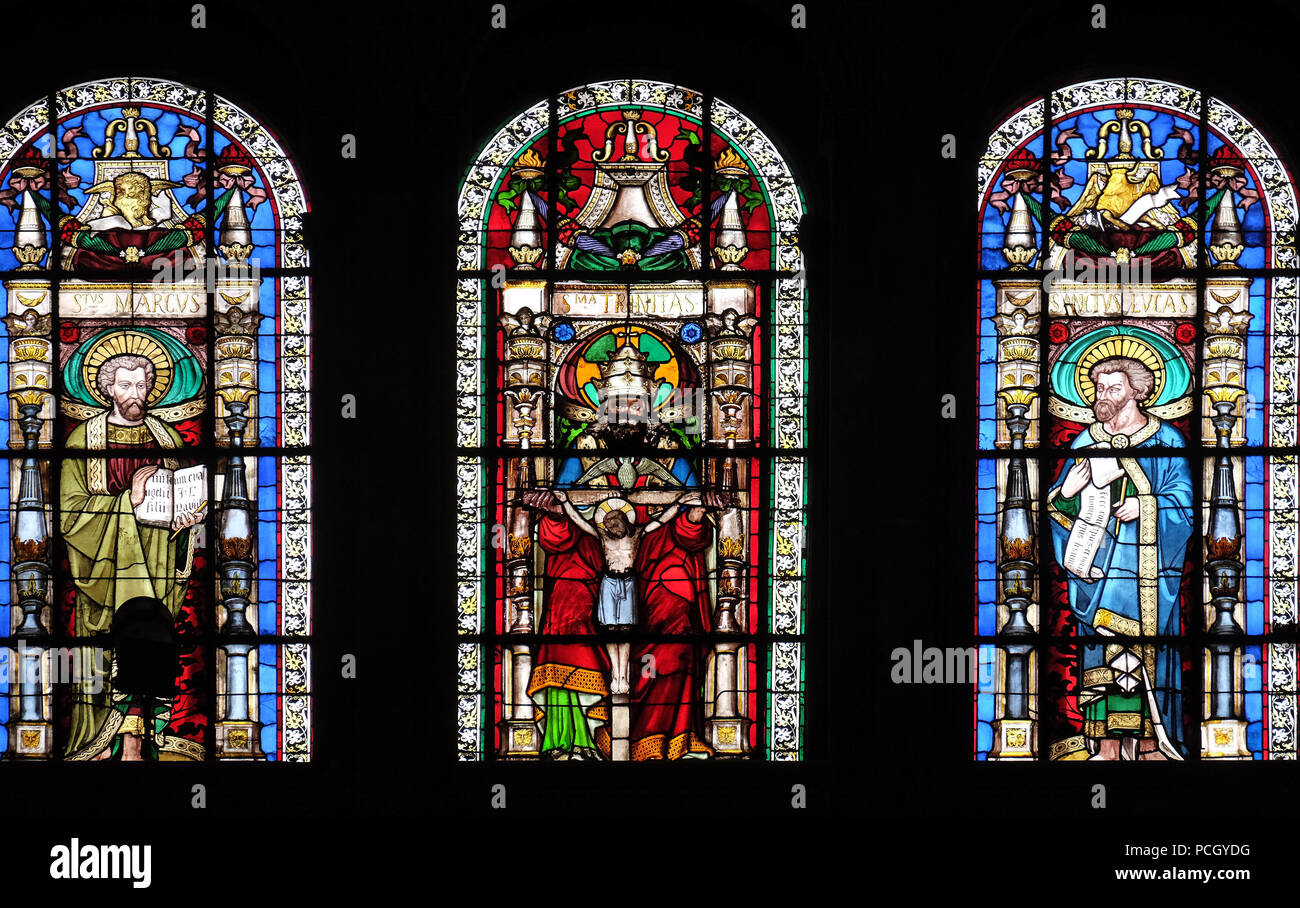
(113, 559)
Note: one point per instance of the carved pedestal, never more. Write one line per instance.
(1224, 739)
(1014, 739)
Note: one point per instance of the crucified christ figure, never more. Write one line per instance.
(614, 526)
(616, 609)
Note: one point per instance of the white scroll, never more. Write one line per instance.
(1162, 196)
(1094, 515)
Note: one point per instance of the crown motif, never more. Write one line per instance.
(1125, 127)
(625, 372)
(132, 126)
(629, 128)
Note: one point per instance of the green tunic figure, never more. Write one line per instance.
(114, 557)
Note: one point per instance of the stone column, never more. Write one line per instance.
(525, 376)
(1223, 730)
(238, 736)
(728, 730)
(30, 733)
(1223, 734)
(1019, 309)
(1016, 732)
(730, 384)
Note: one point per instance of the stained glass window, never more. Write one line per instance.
(156, 520)
(632, 474)
(1135, 568)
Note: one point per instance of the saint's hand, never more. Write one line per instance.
(137, 484)
(1126, 510)
(701, 504)
(184, 522)
(543, 500)
(1076, 479)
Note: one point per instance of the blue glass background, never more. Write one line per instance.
(1257, 351)
(268, 704)
(986, 576)
(985, 701)
(1255, 232)
(268, 377)
(268, 515)
(1256, 529)
(993, 223)
(988, 367)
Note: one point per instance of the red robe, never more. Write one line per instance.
(574, 563)
(180, 259)
(672, 583)
(673, 599)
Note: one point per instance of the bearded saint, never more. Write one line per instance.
(570, 681)
(1129, 691)
(114, 558)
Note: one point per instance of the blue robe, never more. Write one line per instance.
(1116, 596)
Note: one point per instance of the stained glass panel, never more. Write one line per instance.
(1134, 386)
(163, 588)
(630, 553)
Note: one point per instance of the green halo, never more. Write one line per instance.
(187, 377)
(1177, 379)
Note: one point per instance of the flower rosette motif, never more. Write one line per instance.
(1062, 227)
(567, 230)
(194, 224)
(68, 230)
(1186, 228)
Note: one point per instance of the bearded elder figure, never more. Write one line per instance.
(1129, 691)
(113, 558)
(665, 587)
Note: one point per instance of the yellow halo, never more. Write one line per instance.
(1123, 345)
(610, 504)
(127, 342)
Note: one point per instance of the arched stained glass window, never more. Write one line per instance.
(1136, 562)
(632, 481)
(156, 550)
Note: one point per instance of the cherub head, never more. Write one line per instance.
(131, 196)
(141, 201)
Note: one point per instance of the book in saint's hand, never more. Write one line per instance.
(172, 494)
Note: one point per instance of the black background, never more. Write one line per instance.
(857, 103)
(963, 72)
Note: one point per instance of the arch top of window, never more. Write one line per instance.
(739, 168)
(265, 169)
(1038, 153)
(674, 118)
